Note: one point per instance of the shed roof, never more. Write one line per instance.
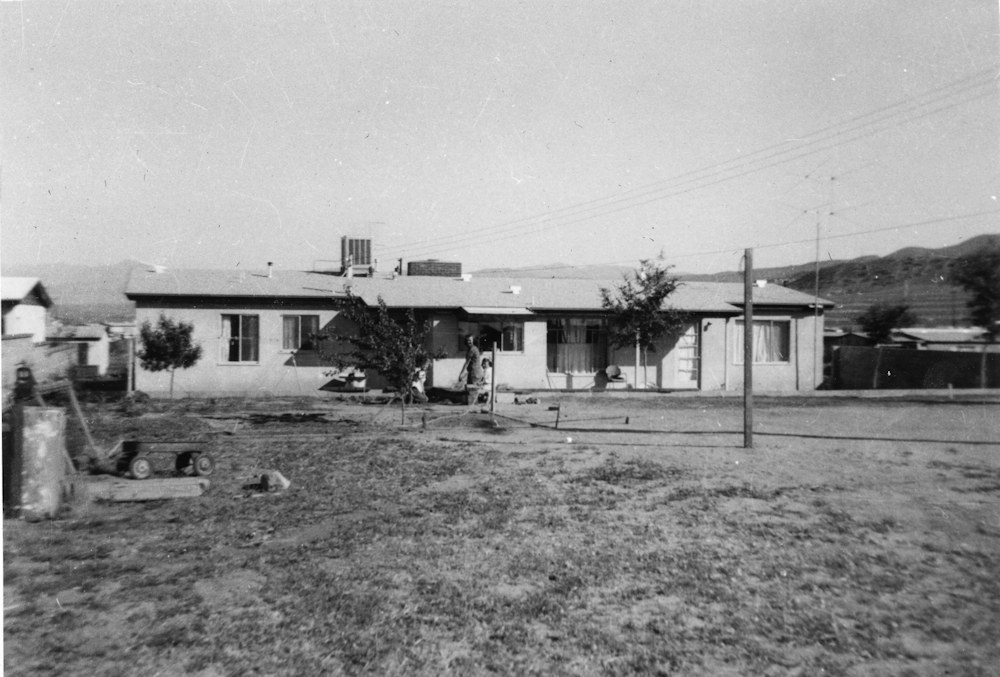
(942, 334)
(18, 288)
(537, 294)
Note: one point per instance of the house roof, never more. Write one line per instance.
(839, 333)
(19, 288)
(941, 335)
(483, 294)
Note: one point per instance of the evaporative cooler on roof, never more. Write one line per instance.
(356, 250)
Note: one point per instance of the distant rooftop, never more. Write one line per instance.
(943, 334)
(18, 288)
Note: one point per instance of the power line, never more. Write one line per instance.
(775, 150)
(743, 160)
(778, 245)
(509, 233)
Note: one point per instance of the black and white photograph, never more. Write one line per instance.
(587, 338)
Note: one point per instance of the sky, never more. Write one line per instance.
(229, 134)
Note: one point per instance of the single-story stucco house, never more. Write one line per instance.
(551, 334)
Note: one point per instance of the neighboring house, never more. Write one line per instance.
(254, 328)
(967, 339)
(26, 307)
(92, 344)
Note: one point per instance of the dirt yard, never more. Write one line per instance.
(856, 538)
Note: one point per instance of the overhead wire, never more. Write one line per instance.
(774, 151)
(787, 243)
(502, 233)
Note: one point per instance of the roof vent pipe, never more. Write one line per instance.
(270, 266)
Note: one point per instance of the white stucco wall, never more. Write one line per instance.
(516, 370)
(26, 318)
(277, 372)
(799, 373)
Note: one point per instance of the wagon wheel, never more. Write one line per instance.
(140, 467)
(203, 465)
(183, 463)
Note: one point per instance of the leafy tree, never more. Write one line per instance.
(880, 319)
(395, 347)
(636, 306)
(167, 346)
(979, 274)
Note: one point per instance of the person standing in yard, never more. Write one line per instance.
(472, 370)
(487, 380)
(417, 391)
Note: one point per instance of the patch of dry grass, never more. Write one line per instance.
(398, 553)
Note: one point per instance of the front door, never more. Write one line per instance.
(688, 359)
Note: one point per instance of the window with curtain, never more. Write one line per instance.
(771, 341)
(577, 346)
(297, 331)
(240, 338)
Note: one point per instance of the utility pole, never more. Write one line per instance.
(748, 349)
(817, 337)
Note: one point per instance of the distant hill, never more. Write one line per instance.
(916, 276)
(919, 277)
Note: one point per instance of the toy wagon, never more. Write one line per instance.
(189, 458)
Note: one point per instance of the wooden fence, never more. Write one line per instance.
(862, 368)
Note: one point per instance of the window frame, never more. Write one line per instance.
(242, 341)
(299, 317)
(594, 332)
(498, 326)
(769, 321)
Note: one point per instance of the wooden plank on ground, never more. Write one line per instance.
(122, 490)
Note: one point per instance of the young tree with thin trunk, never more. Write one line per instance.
(393, 346)
(167, 347)
(638, 316)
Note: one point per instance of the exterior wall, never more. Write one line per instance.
(26, 318)
(716, 366)
(804, 369)
(278, 372)
(302, 373)
(661, 371)
(445, 336)
(521, 370)
(527, 370)
(624, 359)
(810, 353)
